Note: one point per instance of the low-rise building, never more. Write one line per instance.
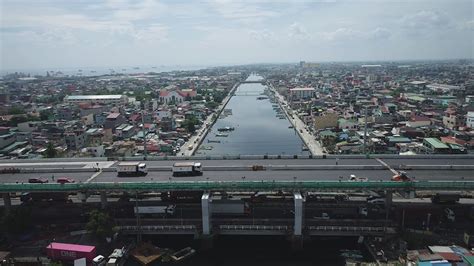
(115, 100)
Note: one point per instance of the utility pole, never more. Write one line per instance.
(144, 134)
(365, 131)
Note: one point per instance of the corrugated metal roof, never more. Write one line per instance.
(93, 97)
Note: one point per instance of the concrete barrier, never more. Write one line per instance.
(57, 170)
(435, 167)
(324, 167)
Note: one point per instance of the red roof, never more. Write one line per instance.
(164, 93)
(419, 118)
(134, 117)
(453, 140)
(449, 256)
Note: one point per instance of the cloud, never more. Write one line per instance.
(379, 34)
(298, 32)
(425, 19)
(262, 35)
(341, 34)
(242, 11)
(468, 25)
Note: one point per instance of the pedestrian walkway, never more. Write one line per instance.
(307, 137)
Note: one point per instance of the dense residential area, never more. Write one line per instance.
(397, 108)
(347, 108)
(73, 116)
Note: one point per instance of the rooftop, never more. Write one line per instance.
(436, 143)
(94, 97)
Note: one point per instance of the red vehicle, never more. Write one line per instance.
(37, 180)
(64, 180)
(70, 252)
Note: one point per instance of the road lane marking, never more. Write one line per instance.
(388, 166)
(93, 176)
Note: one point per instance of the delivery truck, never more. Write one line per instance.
(229, 207)
(70, 252)
(131, 169)
(187, 169)
(167, 210)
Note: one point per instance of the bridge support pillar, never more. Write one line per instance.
(298, 226)
(388, 199)
(297, 243)
(7, 202)
(206, 213)
(103, 199)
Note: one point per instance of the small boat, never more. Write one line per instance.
(262, 98)
(213, 141)
(290, 126)
(225, 129)
(182, 254)
(222, 135)
(304, 148)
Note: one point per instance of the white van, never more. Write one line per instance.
(376, 201)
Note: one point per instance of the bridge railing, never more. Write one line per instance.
(239, 186)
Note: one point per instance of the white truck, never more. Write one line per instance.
(155, 210)
(187, 169)
(229, 207)
(131, 169)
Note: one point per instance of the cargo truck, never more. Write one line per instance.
(131, 169)
(70, 252)
(187, 169)
(155, 210)
(229, 207)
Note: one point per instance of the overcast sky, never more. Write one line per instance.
(43, 33)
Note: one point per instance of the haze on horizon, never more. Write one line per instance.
(51, 33)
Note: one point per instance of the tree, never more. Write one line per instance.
(18, 220)
(190, 124)
(100, 224)
(45, 114)
(50, 151)
(16, 110)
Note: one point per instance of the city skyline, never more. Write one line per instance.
(127, 33)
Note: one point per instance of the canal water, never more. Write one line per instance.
(258, 128)
(256, 251)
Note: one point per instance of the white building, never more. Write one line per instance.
(470, 119)
(297, 94)
(94, 99)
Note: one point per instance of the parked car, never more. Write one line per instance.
(64, 180)
(37, 180)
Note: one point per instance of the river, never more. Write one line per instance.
(257, 129)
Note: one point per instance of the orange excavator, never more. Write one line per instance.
(401, 176)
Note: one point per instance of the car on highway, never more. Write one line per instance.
(64, 180)
(376, 201)
(37, 180)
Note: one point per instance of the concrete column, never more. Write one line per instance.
(388, 199)
(7, 202)
(206, 213)
(103, 199)
(298, 227)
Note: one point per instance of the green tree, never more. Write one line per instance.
(190, 124)
(17, 220)
(45, 114)
(100, 224)
(50, 151)
(16, 110)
